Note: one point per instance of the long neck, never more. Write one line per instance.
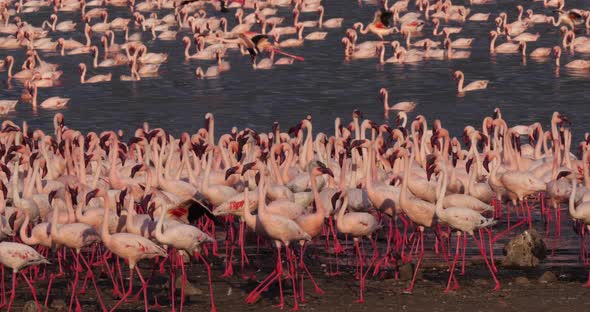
(493, 44)
(106, 236)
(248, 217)
(572, 209)
(316, 195)
(29, 240)
(404, 192)
(83, 75)
(159, 235)
(441, 192)
(386, 94)
(460, 85)
(262, 196)
(34, 95)
(368, 169)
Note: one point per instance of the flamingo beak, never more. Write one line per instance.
(90, 195)
(247, 167)
(229, 172)
(486, 164)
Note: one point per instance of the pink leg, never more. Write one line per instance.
(485, 258)
(463, 254)
(91, 274)
(33, 292)
(54, 276)
(244, 255)
(124, 298)
(291, 263)
(76, 276)
(337, 246)
(3, 303)
(144, 287)
(410, 289)
(181, 260)
(13, 291)
(452, 271)
(360, 264)
(302, 265)
(208, 267)
(491, 250)
(280, 276)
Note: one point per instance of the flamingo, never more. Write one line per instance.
(17, 257)
(133, 248)
(472, 86)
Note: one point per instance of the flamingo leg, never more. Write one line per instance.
(485, 258)
(181, 260)
(302, 265)
(54, 276)
(3, 303)
(33, 292)
(208, 267)
(280, 276)
(452, 270)
(91, 274)
(126, 294)
(13, 291)
(360, 265)
(76, 277)
(421, 241)
(290, 256)
(144, 287)
(243, 254)
(463, 254)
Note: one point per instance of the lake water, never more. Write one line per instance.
(324, 85)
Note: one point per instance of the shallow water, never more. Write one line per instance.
(324, 85)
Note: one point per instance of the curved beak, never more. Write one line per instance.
(135, 169)
(90, 195)
(247, 167)
(229, 172)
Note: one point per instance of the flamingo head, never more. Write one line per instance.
(457, 75)
(431, 167)
(556, 51)
(319, 168)
(231, 171)
(7, 172)
(90, 195)
(137, 168)
(357, 114)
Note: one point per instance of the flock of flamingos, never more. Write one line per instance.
(257, 29)
(73, 205)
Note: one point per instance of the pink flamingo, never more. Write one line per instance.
(19, 256)
(283, 231)
(188, 238)
(130, 247)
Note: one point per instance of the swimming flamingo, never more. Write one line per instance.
(472, 86)
(93, 79)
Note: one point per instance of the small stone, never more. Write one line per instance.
(58, 305)
(525, 250)
(406, 272)
(481, 282)
(31, 306)
(189, 288)
(521, 281)
(547, 278)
